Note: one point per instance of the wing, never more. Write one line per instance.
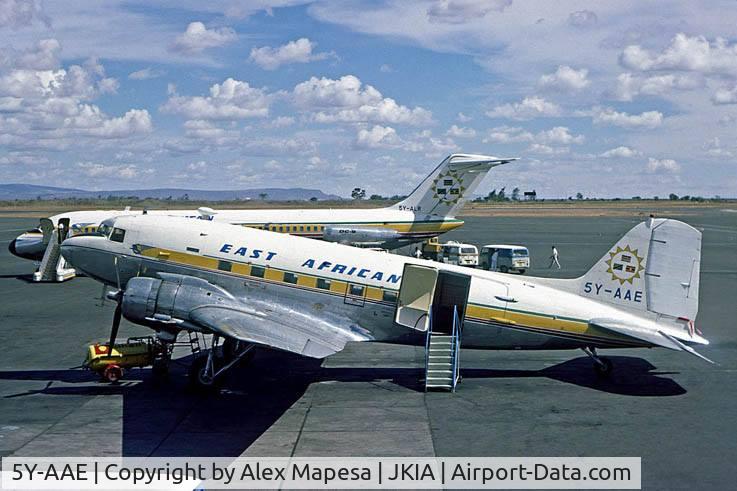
(280, 327)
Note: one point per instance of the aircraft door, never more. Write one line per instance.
(451, 293)
(416, 295)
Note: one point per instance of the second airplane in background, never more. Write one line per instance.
(427, 212)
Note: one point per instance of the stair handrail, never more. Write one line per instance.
(427, 345)
(456, 340)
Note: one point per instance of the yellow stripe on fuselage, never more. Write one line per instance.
(483, 313)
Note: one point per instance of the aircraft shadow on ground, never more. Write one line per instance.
(166, 418)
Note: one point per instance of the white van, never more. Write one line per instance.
(508, 258)
(459, 254)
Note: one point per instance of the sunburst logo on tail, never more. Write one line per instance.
(448, 187)
(624, 264)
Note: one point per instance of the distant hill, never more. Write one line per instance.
(31, 191)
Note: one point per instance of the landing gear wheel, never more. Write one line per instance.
(503, 269)
(231, 349)
(112, 373)
(199, 378)
(604, 368)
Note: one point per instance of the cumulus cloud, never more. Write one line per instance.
(461, 11)
(542, 149)
(145, 74)
(558, 135)
(662, 166)
(456, 131)
(582, 18)
(462, 118)
(21, 13)
(610, 117)
(51, 107)
(99, 170)
(198, 38)
(725, 96)
(566, 79)
(232, 99)
(348, 100)
(209, 132)
(620, 152)
(685, 53)
(629, 86)
(528, 108)
(299, 51)
(508, 134)
(378, 137)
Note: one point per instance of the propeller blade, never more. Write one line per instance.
(116, 325)
(117, 272)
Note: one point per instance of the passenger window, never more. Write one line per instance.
(356, 290)
(118, 235)
(323, 284)
(390, 296)
(224, 265)
(290, 278)
(258, 271)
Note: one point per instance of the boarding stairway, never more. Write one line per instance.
(53, 266)
(442, 357)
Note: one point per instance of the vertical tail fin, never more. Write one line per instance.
(654, 267)
(448, 187)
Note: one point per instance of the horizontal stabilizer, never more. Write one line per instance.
(649, 336)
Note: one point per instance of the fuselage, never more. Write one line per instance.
(503, 311)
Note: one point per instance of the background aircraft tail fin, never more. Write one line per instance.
(448, 187)
(654, 268)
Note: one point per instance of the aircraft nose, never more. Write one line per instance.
(11, 247)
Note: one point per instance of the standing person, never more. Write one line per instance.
(554, 258)
(418, 253)
(494, 259)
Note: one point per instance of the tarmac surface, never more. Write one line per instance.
(675, 411)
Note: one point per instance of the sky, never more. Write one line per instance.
(609, 99)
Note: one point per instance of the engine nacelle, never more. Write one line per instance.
(168, 302)
(353, 235)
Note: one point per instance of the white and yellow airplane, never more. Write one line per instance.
(252, 287)
(427, 212)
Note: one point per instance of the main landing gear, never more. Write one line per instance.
(206, 370)
(602, 366)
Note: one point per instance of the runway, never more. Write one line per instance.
(675, 411)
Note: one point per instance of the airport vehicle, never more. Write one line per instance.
(111, 364)
(427, 212)
(508, 258)
(451, 252)
(252, 287)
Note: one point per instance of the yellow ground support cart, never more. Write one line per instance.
(134, 352)
(431, 249)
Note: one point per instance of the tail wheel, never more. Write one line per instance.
(604, 367)
(113, 373)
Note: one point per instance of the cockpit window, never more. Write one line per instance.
(105, 228)
(118, 235)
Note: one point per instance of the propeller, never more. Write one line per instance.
(118, 297)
